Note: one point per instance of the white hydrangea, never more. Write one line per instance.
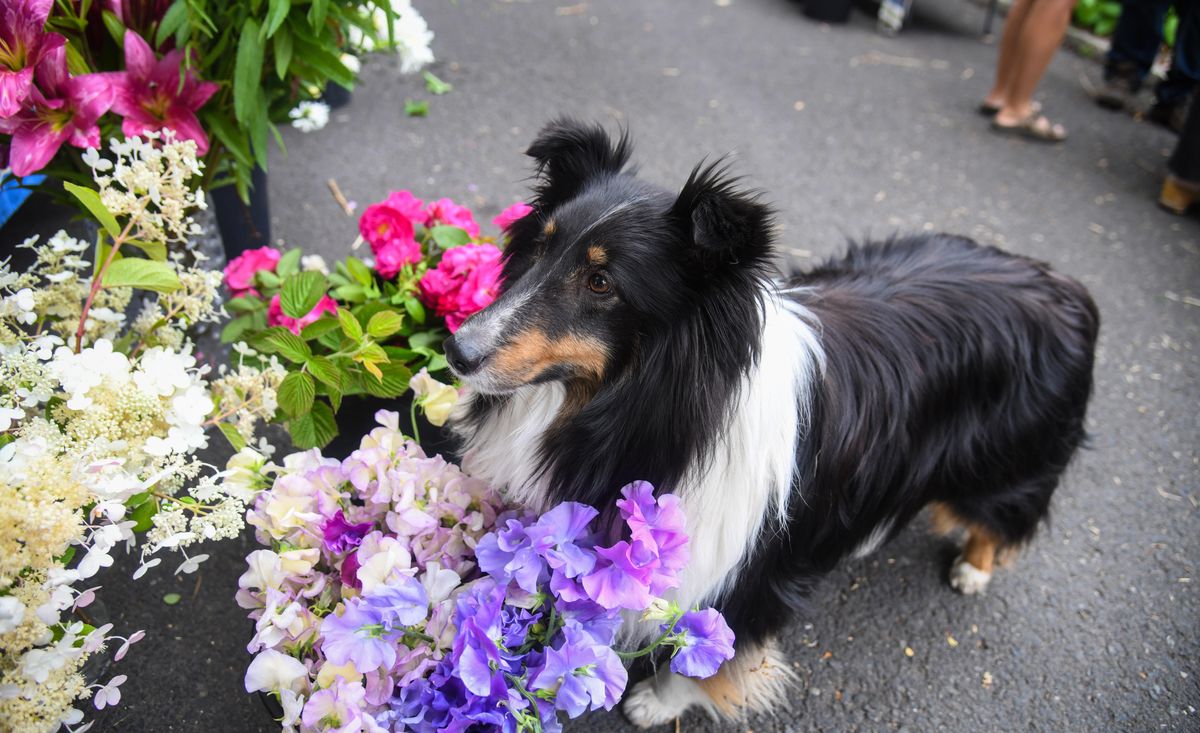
(309, 116)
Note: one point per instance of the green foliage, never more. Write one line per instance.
(301, 293)
(416, 107)
(1098, 16)
(131, 272)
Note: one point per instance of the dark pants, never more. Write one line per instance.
(1138, 37)
(1185, 161)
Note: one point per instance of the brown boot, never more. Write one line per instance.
(1177, 194)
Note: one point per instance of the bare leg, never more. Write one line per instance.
(1006, 61)
(1040, 36)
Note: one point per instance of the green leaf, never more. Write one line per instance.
(317, 13)
(142, 516)
(384, 324)
(326, 63)
(133, 272)
(247, 72)
(319, 328)
(301, 293)
(425, 339)
(436, 85)
(394, 382)
(415, 310)
(289, 263)
(314, 429)
(115, 27)
(296, 393)
(350, 325)
(416, 107)
(232, 435)
(91, 200)
(243, 305)
(233, 140)
(267, 279)
(291, 346)
(349, 294)
(448, 237)
(175, 17)
(172, 598)
(236, 329)
(359, 271)
(259, 125)
(277, 12)
(282, 47)
(153, 250)
(437, 363)
(326, 371)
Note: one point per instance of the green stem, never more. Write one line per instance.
(412, 413)
(519, 684)
(654, 644)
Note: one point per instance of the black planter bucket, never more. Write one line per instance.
(335, 95)
(243, 227)
(829, 11)
(356, 418)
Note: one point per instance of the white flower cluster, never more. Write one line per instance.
(411, 40)
(309, 116)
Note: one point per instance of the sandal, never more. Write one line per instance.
(988, 110)
(1034, 127)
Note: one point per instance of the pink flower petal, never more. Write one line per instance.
(139, 58)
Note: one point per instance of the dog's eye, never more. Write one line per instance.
(598, 283)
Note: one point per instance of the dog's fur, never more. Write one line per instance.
(640, 335)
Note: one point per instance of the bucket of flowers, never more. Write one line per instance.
(362, 328)
(394, 592)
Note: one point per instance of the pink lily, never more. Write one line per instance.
(149, 96)
(23, 43)
(64, 109)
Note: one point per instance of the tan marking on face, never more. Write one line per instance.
(597, 256)
(550, 228)
(531, 353)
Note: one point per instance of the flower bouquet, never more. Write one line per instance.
(103, 407)
(365, 326)
(399, 594)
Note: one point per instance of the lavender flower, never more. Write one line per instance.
(357, 637)
(584, 675)
(706, 642)
(341, 536)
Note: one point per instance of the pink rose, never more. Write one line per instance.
(467, 280)
(276, 316)
(239, 273)
(511, 216)
(390, 227)
(445, 211)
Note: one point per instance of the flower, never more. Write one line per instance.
(337, 709)
(435, 398)
(272, 671)
(511, 555)
(23, 43)
(707, 641)
(511, 215)
(357, 636)
(466, 281)
(621, 578)
(109, 695)
(445, 211)
(402, 603)
(65, 109)
(276, 316)
(239, 273)
(152, 96)
(309, 116)
(412, 37)
(583, 674)
(389, 227)
(341, 536)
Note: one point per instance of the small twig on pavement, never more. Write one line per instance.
(196, 590)
(338, 197)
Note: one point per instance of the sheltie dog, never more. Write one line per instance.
(642, 334)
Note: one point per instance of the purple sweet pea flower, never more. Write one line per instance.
(357, 636)
(476, 650)
(341, 536)
(402, 603)
(510, 554)
(23, 44)
(338, 709)
(658, 520)
(621, 578)
(598, 622)
(707, 642)
(349, 571)
(587, 676)
(556, 532)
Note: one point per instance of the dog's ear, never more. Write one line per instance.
(570, 153)
(727, 225)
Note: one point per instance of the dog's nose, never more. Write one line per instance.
(463, 358)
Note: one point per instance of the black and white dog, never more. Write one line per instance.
(640, 335)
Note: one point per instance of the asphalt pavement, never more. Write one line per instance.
(850, 134)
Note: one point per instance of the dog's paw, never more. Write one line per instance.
(648, 705)
(968, 579)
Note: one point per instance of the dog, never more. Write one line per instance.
(643, 334)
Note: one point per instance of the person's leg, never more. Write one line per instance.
(1006, 59)
(1182, 186)
(1135, 43)
(1041, 34)
(1172, 94)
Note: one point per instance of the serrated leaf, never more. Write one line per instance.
(296, 393)
(247, 72)
(267, 279)
(134, 272)
(154, 250)
(392, 381)
(350, 325)
(384, 324)
(415, 310)
(314, 429)
(448, 237)
(91, 201)
(243, 305)
(359, 271)
(232, 435)
(373, 368)
(287, 344)
(289, 263)
(425, 339)
(301, 293)
(437, 363)
(319, 328)
(326, 371)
